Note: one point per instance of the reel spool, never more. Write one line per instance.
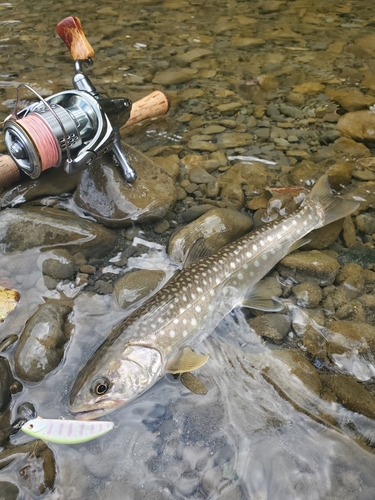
(71, 128)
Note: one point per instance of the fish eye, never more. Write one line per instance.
(100, 386)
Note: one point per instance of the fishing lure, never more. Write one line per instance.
(66, 431)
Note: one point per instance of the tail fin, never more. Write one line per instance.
(334, 207)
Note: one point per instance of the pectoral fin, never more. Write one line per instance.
(198, 251)
(192, 383)
(186, 361)
(298, 244)
(257, 298)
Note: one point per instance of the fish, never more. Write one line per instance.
(159, 337)
(66, 431)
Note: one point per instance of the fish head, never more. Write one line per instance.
(110, 381)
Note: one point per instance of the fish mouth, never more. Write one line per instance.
(90, 414)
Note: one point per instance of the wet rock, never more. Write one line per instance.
(200, 176)
(364, 256)
(309, 88)
(22, 229)
(53, 182)
(174, 76)
(365, 223)
(34, 464)
(57, 264)
(41, 345)
(308, 294)
(353, 277)
(7, 342)
(340, 174)
(364, 194)
(103, 193)
(218, 227)
(6, 380)
(233, 140)
(350, 99)
(351, 394)
(325, 236)
(271, 326)
(191, 55)
(358, 125)
(8, 491)
(305, 173)
(170, 164)
(359, 335)
(287, 365)
(135, 285)
(312, 265)
(348, 232)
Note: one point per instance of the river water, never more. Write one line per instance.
(262, 432)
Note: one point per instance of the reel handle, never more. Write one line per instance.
(71, 33)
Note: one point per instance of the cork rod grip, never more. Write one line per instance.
(71, 33)
(154, 104)
(9, 172)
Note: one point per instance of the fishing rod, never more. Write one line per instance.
(73, 128)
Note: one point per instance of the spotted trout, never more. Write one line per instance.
(159, 336)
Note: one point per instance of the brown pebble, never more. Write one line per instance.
(87, 269)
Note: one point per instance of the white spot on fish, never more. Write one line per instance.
(182, 310)
(264, 256)
(184, 321)
(198, 309)
(240, 276)
(184, 298)
(212, 292)
(255, 248)
(269, 238)
(251, 273)
(256, 263)
(248, 255)
(185, 333)
(245, 266)
(176, 321)
(232, 265)
(193, 296)
(199, 289)
(172, 334)
(194, 322)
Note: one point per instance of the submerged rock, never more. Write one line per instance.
(135, 285)
(218, 227)
(41, 345)
(25, 228)
(104, 194)
(58, 264)
(313, 266)
(358, 125)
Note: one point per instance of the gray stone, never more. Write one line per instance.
(135, 285)
(58, 264)
(41, 345)
(308, 294)
(365, 223)
(272, 326)
(104, 194)
(173, 76)
(25, 228)
(200, 176)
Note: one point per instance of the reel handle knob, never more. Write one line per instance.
(71, 33)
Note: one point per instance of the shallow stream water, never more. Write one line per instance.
(257, 434)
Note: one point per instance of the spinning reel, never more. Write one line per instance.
(74, 127)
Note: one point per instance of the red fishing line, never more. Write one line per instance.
(43, 139)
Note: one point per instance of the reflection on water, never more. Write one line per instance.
(262, 431)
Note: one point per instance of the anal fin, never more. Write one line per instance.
(186, 361)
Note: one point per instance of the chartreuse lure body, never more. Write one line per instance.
(66, 431)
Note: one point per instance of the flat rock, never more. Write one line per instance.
(104, 194)
(358, 125)
(233, 140)
(271, 326)
(218, 227)
(47, 228)
(174, 76)
(312, 265)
